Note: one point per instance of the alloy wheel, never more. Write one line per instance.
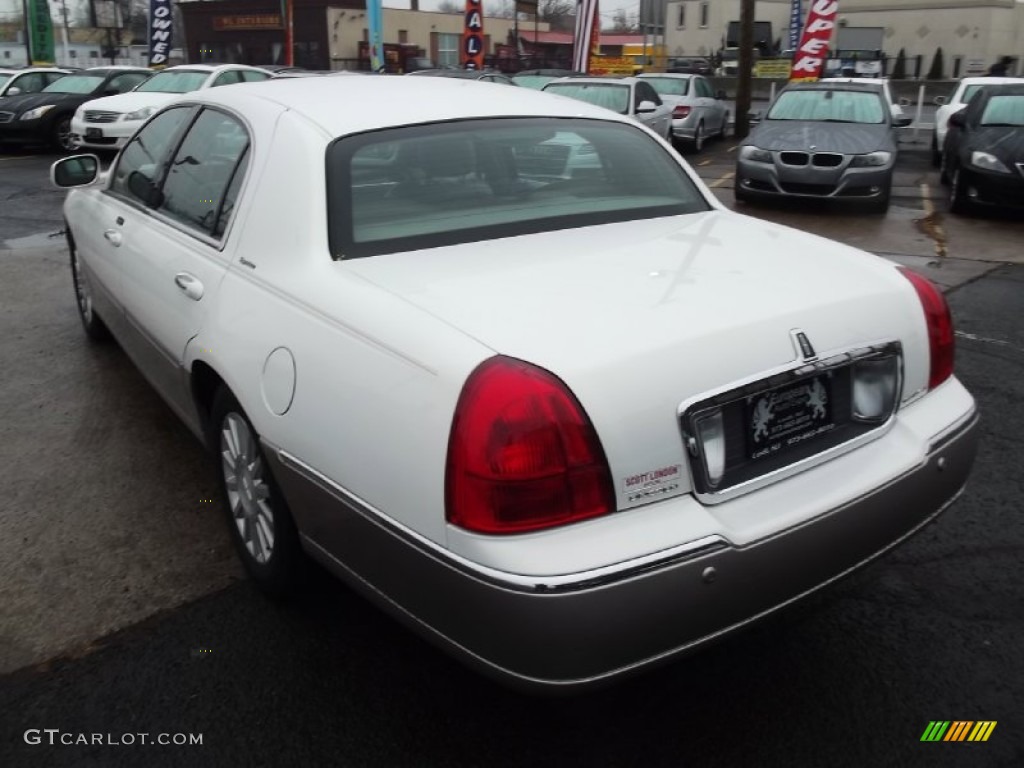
(247, 490)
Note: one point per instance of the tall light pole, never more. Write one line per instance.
(745, 64)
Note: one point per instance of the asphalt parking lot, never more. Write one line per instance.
(122, 609)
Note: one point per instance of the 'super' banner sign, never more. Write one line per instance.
(160, 28)
(809, 59)
(473, 36)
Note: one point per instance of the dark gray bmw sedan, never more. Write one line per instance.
(822, 140)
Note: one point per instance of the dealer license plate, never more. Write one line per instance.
(783, 418)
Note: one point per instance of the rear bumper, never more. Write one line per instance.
(573, 633)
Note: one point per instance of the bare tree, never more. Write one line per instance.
(560, 14)
(623, 22)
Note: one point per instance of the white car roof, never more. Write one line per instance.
(385, 101)
(593, 80)
(990, 80)
(675, 75)
(23, 70)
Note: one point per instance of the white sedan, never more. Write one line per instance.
(506, 366)
(629, 96)
(109, 122)
(964, 92)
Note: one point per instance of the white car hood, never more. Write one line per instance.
(639, 317)
(129, 102)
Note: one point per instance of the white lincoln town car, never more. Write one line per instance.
(503, 363)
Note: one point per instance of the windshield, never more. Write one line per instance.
(75, 84)
(174, 82)
(427, 186)
(670, 86)
(534, 81)
(828, 106)
(608, 95)
(1004, 110)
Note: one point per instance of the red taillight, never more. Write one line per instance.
(680, 111)
(940, 327)
(522, 453)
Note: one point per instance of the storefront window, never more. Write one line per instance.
(448, 50)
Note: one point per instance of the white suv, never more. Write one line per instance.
(109, 123)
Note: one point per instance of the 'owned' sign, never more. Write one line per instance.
(160, 24)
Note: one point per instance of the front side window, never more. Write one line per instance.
(828, 106)
(202, 170)
(252, 76)
(644, 92)
(613, 96)
(227, 78)
(433, 185)
(124, 83)
(140, 165)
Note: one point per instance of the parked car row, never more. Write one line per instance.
(503, 363)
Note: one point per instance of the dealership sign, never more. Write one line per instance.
(160, 28)
(809, 59)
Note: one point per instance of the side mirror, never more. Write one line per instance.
(904, 102)
(77, 171)
(142, 187)
(646, 107)
(754, 117)
(721, 95)
(939, 101)
(902, 122)
(13, 90)
(957, 119)
(111, 91)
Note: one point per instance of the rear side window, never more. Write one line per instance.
(432, 185)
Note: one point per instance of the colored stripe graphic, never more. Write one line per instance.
(958, 730)
(982, 730)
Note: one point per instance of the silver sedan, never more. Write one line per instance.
(697, 110)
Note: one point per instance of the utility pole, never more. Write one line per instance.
(745, 64)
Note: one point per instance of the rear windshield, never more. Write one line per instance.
(670, 86)
(75, 84)
(443, 184)
(828, 106)
(613, 96)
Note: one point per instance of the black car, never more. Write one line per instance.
(690, 66)
(983, 155)
(45, 117)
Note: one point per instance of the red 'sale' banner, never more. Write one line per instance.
(809, 60)
(472, 56)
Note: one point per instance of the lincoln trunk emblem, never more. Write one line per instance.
(803, 345)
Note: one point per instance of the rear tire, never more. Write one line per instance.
(697, 142)
(259, 521)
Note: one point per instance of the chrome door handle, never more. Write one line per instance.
(113, 236)
(189, 285)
